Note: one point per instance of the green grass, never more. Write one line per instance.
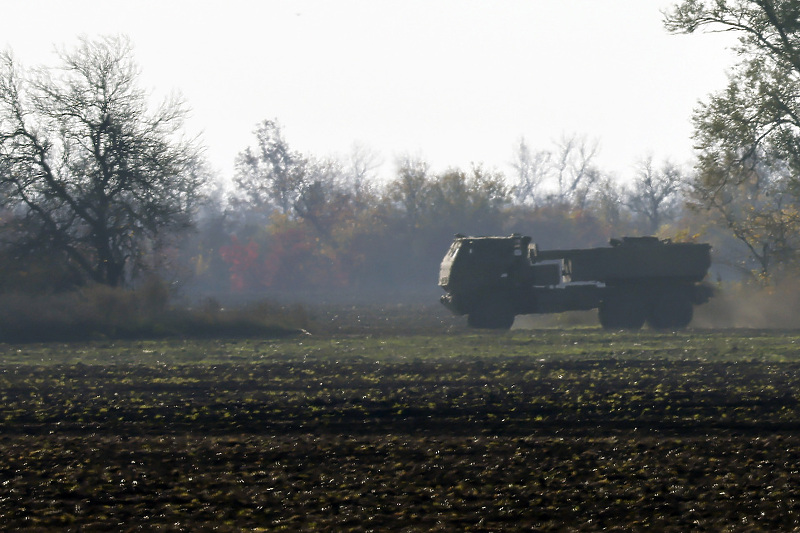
(545, 344)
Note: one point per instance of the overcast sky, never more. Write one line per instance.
(453, 82)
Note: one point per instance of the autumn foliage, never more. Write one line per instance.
(282, 257)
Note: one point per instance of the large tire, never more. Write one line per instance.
(622, 309)
(672, 309)
(494, 312)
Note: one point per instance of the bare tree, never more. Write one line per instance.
(574, 170)
(95, 174)
(360, 175)
(608, 202)
(532, 169)
(654, 192)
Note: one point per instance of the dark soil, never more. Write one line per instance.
(457, 444)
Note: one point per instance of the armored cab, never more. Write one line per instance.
(635, 279)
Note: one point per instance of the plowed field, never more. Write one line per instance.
(545, 430)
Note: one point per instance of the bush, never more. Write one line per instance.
(101, 312)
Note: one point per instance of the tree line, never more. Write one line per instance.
(96, 186)
(300, 222)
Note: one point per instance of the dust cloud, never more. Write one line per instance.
(746, 306)
(732, 306)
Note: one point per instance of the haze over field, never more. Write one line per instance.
(355, 139)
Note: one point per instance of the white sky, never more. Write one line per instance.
(454, 82)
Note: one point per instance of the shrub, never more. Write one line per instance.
(102, 312)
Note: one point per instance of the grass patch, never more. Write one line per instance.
(542, 346)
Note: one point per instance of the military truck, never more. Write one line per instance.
(632, 281)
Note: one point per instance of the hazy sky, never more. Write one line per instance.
(453, 82)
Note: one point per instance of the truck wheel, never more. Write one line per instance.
(494, 313)
(671, 310)
(622, 310)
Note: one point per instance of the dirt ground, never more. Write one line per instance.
(588, 439)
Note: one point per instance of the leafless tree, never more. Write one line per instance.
(608, 201)
(654, 192)
(94, 173)
(532, 169)
(574, 169)
(360, 175)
